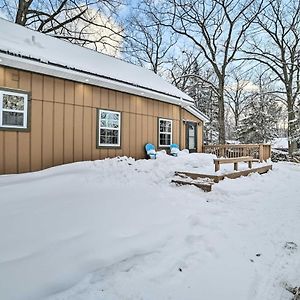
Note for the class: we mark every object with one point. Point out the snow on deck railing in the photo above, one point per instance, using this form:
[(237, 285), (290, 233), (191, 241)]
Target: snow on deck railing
[(258, 151)]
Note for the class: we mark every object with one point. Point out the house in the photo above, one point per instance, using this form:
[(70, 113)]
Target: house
[(61, 103)]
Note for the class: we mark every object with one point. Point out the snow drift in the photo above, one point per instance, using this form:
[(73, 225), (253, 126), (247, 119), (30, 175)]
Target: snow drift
[(117, 229)]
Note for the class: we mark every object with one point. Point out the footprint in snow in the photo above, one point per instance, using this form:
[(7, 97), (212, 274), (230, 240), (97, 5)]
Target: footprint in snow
[(291, 247)]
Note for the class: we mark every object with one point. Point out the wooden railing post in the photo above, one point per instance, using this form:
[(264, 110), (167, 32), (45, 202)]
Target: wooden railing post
[(222, 151), (261, 153), (267, 151)]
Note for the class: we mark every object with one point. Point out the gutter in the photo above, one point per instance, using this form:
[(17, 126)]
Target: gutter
[(51, 69)]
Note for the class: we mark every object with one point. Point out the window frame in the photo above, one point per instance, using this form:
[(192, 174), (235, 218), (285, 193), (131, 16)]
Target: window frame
[(99, 145), (163, 132), (26, 111)]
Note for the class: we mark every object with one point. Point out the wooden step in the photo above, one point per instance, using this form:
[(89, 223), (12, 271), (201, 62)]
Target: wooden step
[(259, 170), (215, 178), (206, 187)]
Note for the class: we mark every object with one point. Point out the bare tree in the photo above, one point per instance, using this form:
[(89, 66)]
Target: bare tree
[(185, 70), (147, 42), (218, 29), (191, 74), (77, 21), (238, 94), (275, 44)]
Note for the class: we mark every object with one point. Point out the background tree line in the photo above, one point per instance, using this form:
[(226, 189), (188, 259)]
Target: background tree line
[(239, 60)]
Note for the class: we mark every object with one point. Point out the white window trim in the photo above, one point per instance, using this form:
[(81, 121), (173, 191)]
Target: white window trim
[(24, 112), (162, 132), (99, 128)]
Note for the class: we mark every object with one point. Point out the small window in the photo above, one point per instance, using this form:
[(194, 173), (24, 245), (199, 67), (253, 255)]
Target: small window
[(165, 132), (109, 128), (13, 110)]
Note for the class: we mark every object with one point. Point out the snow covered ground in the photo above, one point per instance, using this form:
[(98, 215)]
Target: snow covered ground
[(117, 229), (280, 143)]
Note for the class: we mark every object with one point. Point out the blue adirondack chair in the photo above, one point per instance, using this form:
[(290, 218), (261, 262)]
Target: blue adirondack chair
[(150, 149), (174, 149)]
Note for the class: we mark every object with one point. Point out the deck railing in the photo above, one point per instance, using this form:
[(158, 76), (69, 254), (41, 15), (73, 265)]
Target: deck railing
[(258, 151)]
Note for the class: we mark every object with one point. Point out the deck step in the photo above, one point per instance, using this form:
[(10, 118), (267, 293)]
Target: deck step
[(206, 181), (206, 187), (215, 178)]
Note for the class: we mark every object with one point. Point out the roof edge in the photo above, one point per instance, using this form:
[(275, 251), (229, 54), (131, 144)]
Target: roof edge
[(197, 113), (32, 65)]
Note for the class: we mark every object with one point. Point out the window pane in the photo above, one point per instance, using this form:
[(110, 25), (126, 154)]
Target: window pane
[(162, 126), (168, 139), (103, 123), (103, 115), (112, 123), (116, 117), (12, 118), (108, 119), (164, 139), (13, 102), (109, 136), (191, 130), (161, 139), (168, 126), (191, 142), (165, 126)]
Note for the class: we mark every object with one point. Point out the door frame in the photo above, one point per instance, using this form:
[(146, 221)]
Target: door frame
[(195, 124)]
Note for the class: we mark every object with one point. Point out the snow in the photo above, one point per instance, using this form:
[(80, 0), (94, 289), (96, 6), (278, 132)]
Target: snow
[(118, 229), (233, 142), (24, 42), (280, 143)]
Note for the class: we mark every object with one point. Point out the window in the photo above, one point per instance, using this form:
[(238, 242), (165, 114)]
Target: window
[(109, 128), (165, 132), (13, 110)]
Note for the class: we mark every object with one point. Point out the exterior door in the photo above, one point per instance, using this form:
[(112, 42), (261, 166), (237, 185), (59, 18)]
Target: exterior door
[(191, 136)]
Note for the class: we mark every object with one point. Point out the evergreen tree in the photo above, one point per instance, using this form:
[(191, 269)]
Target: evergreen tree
[(205, 100), (261, 117)]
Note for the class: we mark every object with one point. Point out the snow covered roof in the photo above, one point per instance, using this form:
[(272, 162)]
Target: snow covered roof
[(24, 48)]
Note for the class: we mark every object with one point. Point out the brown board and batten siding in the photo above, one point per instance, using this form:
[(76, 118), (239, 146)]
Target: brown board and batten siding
[(63, 116)]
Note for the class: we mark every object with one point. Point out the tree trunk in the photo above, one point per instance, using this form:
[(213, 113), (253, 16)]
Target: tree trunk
[(291, 127), (221, 113), (236, 118), (23, 7)]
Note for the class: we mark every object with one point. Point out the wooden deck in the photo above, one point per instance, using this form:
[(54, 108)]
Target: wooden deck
[(206, 181), (262, 152)]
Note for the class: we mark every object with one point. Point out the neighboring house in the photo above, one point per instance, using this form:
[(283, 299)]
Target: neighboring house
[(61, 103)]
